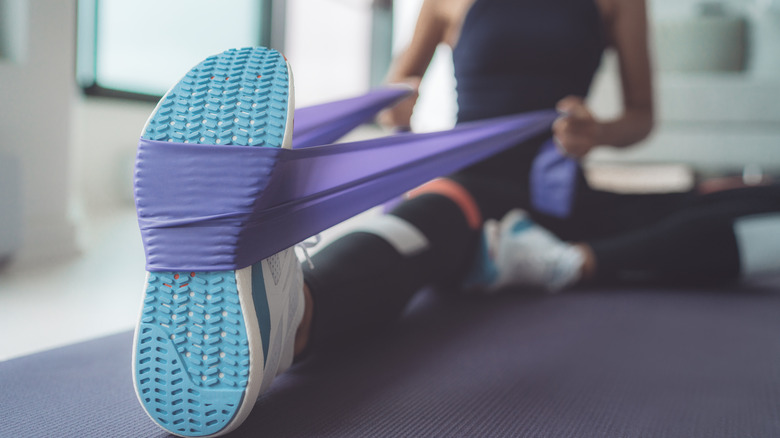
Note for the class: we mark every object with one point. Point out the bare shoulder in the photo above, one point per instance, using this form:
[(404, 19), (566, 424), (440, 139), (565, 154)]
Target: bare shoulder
[(612, 8), (621, 13), (607, 9), (454, 9), (452, 12)]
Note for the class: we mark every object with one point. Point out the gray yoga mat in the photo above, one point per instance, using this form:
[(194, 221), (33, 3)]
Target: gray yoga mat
[(586, 363)]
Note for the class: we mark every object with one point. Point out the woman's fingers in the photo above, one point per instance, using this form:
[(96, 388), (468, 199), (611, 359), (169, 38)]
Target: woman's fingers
[(576, 130), (400, 115)]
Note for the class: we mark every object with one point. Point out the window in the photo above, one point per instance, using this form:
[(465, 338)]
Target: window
[(13, 30), (138, 49)]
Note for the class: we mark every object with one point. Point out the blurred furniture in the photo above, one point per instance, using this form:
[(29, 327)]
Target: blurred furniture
[(710, 40), (640, 178)]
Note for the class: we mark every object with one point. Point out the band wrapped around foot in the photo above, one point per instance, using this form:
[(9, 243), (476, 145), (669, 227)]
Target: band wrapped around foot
[(224, 207)]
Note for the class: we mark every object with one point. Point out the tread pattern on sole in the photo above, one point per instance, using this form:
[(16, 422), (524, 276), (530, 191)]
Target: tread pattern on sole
[(192, 346), (192, 354), (238, 97)]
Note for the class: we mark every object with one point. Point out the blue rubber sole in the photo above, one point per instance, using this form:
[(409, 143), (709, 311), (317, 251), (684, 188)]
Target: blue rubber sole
[(238, 97), (192, 353)]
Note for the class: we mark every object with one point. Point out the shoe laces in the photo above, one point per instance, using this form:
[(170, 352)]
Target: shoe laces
[(308, 244)]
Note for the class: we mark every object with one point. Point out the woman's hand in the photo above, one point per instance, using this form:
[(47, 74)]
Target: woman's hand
[(576, 131), (399, 116)]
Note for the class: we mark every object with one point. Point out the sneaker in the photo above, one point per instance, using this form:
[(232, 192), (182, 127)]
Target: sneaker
[(518, 252), (209, 343)]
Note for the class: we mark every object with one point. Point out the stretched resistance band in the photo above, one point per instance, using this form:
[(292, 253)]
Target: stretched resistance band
[(325, 123), (227, 207), (553, 177)]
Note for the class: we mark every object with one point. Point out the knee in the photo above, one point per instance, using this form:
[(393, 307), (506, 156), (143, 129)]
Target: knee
[(455, 193)]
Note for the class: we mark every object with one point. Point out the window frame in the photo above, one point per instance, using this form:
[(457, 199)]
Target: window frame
[(87, 12), (272, 31)]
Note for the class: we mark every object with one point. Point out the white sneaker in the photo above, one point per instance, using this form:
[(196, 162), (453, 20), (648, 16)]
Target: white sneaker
[(518, 252), (208, 343)]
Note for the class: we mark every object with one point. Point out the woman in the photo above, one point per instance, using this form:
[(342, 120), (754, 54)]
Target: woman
[(519, 56), (510, 56), (505, 64)]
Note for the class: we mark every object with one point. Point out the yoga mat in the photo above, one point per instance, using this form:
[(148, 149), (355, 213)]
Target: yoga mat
[(629, 363)]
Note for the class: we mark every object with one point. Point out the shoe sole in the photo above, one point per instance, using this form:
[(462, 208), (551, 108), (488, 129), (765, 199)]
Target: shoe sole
[(199, 347)]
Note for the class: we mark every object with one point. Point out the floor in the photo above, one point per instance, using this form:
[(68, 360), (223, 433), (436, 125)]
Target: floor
[(95, 294), (98, 292), (637, 362)]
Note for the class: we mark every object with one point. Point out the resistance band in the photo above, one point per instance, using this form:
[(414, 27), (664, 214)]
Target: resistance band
[(325, 123), (207, 208), (553, 181)]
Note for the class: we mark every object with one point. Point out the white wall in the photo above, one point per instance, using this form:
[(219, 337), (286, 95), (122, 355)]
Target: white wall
[(106, 136), (37, 92), (328, 45)]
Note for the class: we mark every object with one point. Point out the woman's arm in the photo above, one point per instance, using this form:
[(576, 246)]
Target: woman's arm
[(578, 131), (411, 64)]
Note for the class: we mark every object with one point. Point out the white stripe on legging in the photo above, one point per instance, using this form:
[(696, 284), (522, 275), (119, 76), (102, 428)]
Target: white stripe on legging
[(403, 236)]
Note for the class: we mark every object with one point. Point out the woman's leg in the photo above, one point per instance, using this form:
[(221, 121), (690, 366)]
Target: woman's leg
[(364, 280), (705, 241), (674, 238)]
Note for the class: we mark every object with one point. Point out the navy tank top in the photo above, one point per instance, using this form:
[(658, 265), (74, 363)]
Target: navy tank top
[(523, 55)]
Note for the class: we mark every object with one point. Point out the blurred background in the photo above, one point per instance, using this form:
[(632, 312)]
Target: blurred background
[(78, 78)]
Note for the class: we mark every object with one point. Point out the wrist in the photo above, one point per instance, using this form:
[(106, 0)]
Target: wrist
[(601, 136), (632, 127)]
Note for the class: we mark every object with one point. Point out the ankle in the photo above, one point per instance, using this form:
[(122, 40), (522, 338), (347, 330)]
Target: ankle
[(588, 268), (304, 329)]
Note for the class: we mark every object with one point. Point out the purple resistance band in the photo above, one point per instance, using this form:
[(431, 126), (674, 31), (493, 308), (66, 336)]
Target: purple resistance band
[(553, 181), (227, 207), (325, 123)]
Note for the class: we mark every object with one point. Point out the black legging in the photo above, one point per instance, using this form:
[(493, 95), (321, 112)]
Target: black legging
[(361, 283), (674, 238)]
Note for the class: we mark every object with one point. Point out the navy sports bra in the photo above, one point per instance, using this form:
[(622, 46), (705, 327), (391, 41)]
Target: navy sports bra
[(523, 55)]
